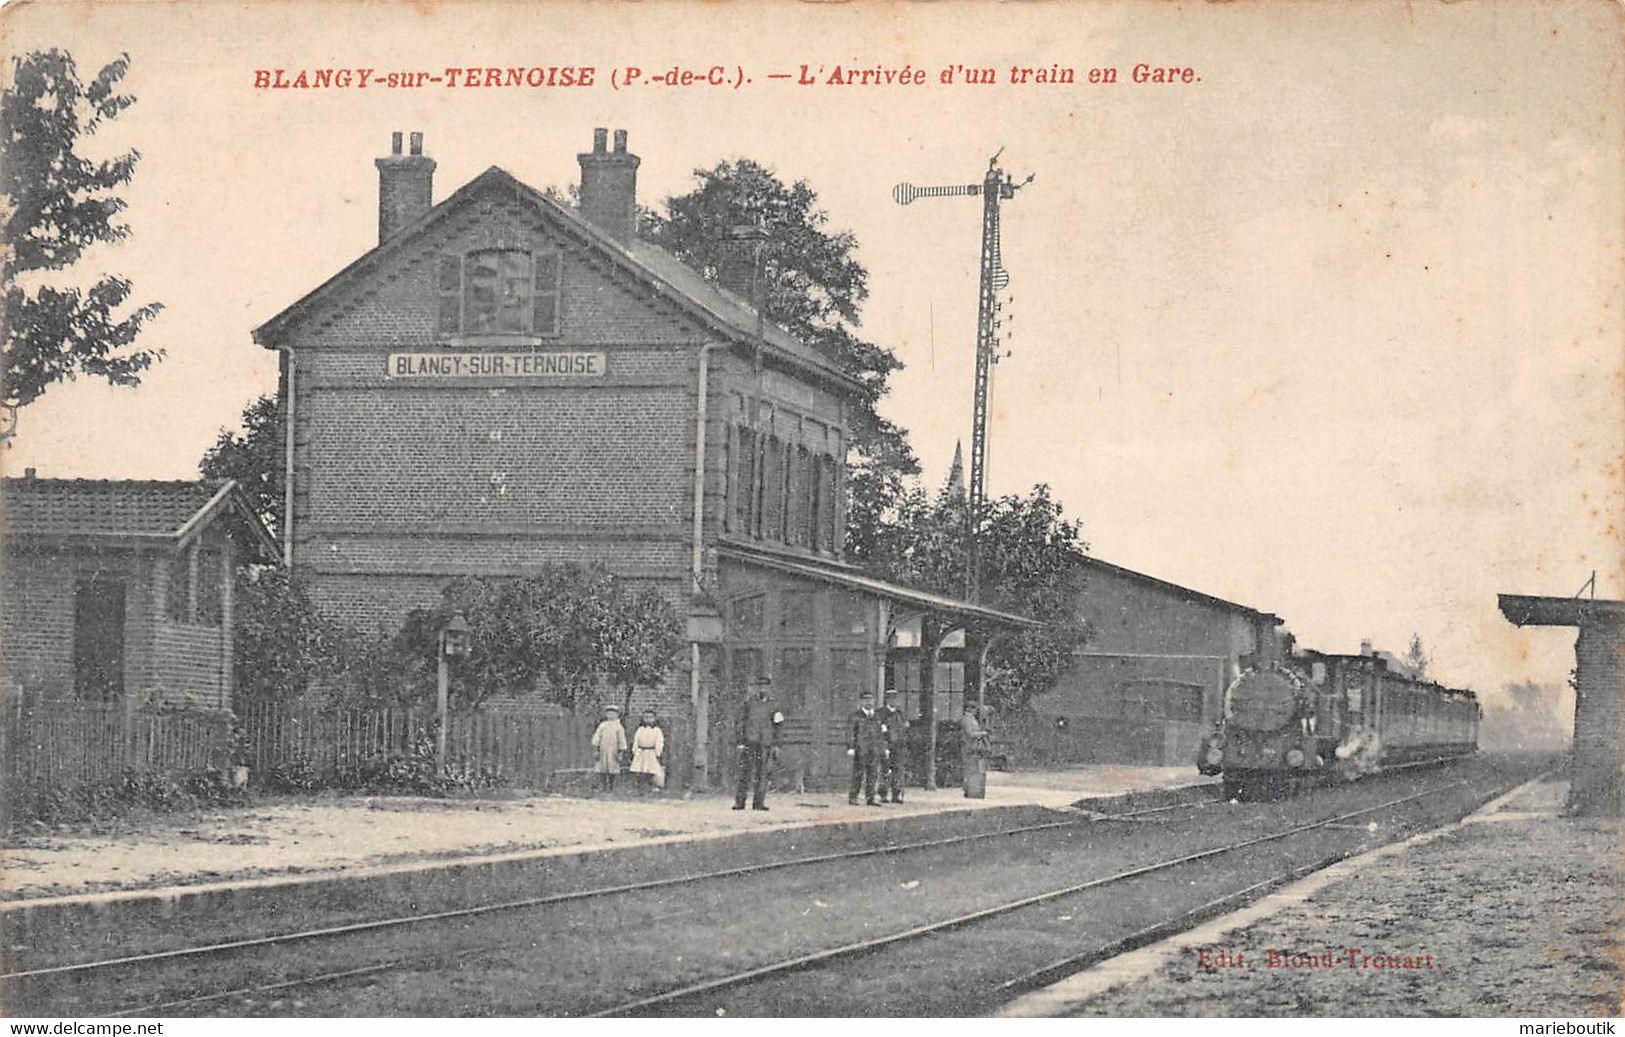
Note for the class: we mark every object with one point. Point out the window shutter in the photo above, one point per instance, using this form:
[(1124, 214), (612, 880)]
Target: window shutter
[(815, 504), (829, 520), (802, 478), (745, 479), (449, 281), (730, 465), (549, 274), (773, 490)]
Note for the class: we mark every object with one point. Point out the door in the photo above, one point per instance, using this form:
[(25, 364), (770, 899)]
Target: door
[(850, 675), (744, 666), (795, 690), (98, 639)]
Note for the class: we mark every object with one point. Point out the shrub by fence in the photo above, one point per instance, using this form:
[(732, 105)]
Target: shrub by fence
[(64, 746)]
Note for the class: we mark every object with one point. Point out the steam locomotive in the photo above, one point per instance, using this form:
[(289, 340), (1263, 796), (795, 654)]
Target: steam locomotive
[(1319, 717)]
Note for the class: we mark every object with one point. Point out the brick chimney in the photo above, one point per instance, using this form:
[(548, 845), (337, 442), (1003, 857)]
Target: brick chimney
[(737, 270), (1365, 648), (405, 186), (609, 186)]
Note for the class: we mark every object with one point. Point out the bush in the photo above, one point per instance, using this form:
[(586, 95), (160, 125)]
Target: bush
[(50, 803), (414, 773), (296, 774)]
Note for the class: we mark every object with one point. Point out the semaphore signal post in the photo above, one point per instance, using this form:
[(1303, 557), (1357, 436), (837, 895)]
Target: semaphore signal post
[(996, 187)]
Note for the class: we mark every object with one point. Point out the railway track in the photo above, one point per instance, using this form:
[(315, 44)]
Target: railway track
[(743, 980), (12, 981), (664, 1002)]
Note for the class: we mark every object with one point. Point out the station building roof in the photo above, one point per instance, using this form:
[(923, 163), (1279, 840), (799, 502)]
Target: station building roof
[(852, 579), (125, 512), (665, 274)]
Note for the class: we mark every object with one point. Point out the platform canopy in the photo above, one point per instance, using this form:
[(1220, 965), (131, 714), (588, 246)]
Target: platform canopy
[(1597, 770), (1528, 610)]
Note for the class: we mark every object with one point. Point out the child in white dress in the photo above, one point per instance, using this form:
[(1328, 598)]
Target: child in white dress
[(649, 749)]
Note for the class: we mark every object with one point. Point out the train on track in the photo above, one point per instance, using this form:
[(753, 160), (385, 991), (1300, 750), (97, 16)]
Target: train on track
[(1317, 718)]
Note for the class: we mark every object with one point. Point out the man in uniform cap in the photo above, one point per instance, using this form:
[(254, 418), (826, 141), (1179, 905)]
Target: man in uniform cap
[(758, 736), (896, 728), (866, 744)]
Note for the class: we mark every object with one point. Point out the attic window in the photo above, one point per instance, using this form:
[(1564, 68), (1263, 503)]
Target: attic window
[(499, 292)]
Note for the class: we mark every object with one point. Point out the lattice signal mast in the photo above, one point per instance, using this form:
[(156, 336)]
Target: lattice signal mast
[(996, 187)]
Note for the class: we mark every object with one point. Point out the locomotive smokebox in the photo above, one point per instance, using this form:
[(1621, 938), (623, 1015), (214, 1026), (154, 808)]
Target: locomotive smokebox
[(1264, 700)]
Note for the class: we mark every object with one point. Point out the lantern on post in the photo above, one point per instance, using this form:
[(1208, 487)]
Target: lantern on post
[(454, 643)]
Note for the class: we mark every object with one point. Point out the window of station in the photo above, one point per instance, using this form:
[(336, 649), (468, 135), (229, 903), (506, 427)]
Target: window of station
[(747, 616), (194, 590), (796, 613), (178, 588), (210, 596), (795, 680), (849, 614), (783, 491), (949, 691), (745, 667), (499, 292), (906, 633)]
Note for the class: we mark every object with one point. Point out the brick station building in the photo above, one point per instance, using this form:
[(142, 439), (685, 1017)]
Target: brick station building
[(505, 382), (1150, 682), (118, 593)]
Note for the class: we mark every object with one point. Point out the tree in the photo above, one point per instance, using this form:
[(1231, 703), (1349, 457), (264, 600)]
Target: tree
[(1526, 717), (1416, 657), (638, 641), (253, 456), (283, 648), (1032, 563), (814, 287), (60, 204), (568, 630)]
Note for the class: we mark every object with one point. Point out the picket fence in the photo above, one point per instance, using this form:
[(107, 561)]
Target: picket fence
[(521, 750), (88, 743), (73, 744)]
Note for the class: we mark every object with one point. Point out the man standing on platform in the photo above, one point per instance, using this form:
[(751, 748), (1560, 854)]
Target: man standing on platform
[(866, 744), (896, 728), (758, 737)]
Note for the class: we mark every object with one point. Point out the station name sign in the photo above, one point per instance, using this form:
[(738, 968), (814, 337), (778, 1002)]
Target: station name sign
[(495, 365)]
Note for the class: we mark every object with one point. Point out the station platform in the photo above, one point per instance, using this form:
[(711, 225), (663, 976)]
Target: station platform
[(276, 842), (1517, 910)]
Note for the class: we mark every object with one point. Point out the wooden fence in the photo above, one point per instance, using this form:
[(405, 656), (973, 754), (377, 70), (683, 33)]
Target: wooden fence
[(520, 750), (73, 744), (88, 743)]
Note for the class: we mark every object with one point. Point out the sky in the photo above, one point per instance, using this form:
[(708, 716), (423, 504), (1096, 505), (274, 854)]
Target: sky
[(1333, 330)]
